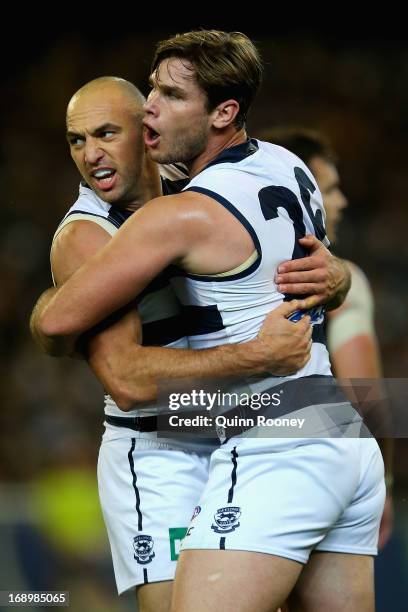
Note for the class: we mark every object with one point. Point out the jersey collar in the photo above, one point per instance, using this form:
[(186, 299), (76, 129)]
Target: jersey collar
[(235, 154)]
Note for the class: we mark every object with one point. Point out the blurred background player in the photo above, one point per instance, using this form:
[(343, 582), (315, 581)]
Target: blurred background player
[(351, 335)]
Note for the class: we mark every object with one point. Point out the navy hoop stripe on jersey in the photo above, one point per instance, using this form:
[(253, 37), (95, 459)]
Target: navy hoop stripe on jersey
[(161, 281), (136, 490), (232, 209), (164, 331), (202, 320), (319, 334)]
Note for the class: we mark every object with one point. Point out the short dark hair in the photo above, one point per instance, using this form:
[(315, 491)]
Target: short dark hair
[(226, 64), (303, 142)]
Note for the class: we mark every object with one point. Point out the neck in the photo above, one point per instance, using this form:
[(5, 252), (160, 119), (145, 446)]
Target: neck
[(149, 186), (217, 142)]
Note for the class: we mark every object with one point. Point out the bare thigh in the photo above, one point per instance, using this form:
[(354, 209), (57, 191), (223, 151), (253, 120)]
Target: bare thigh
[(154, 597), (232, 581), (335, 582)]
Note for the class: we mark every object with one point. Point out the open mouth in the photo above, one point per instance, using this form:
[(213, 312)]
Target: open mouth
[(151, 137), (104, 178)]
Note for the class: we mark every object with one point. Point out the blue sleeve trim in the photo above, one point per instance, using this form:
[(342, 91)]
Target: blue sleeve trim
[(233, 210), (86, 212)]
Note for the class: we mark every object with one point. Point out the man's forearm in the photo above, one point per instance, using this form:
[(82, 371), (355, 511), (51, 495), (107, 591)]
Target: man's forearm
[(225, 360), (343, 286), (55, 346), (130, 384), (130, 372)]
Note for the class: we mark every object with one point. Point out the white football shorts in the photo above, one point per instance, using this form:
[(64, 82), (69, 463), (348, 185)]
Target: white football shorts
[(291, 496), (148, 489)]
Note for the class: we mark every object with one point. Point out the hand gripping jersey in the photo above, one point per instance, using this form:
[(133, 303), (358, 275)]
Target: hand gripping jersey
[(275, 197), (158, 307)]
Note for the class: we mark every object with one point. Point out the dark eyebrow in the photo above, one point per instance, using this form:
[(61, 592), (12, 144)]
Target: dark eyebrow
[(106, 127), (69, 135), (166, 89), (173, 89)]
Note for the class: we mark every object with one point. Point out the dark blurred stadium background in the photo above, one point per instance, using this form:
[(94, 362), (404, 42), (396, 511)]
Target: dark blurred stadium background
[(352, 86)]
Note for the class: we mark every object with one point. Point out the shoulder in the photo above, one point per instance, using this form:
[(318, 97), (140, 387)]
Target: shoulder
[(186, 206), (88, 202), (88, 206), (359, 300), (74, 245), (360, 291), (79, 233), (357, 273), (175, 222), (352, 325)]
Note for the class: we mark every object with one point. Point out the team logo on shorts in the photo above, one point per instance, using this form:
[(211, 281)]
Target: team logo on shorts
[(226, 519), (143, 547), (196, 512)]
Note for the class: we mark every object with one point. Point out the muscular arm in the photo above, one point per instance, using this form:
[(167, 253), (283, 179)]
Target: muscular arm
[(129, 371), (143, 246), (177, 230), (75, 244)]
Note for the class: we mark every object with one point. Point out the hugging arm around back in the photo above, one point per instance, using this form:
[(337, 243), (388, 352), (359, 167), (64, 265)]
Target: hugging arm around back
[(129, 371)]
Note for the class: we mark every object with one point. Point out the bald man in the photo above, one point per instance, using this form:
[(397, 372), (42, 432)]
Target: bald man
[(148, 486)]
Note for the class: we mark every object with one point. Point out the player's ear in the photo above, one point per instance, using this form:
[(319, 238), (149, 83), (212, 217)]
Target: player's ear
[(224, 114)]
